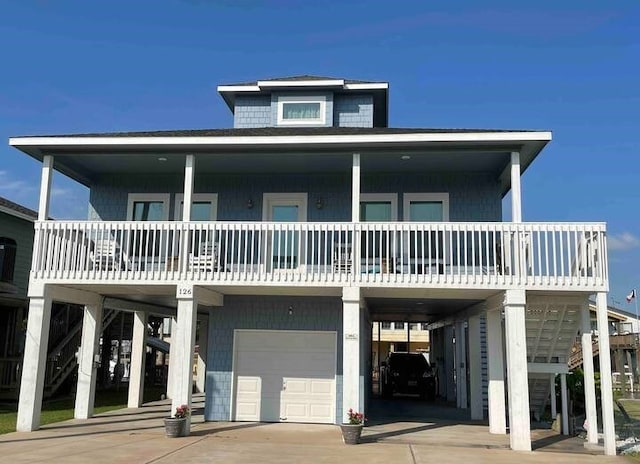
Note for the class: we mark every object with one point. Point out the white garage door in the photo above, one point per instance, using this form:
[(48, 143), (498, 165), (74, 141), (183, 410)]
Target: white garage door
[(284, 376)]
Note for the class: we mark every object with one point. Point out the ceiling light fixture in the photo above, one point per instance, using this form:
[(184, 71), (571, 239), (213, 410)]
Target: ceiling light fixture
[(405, 157), (162, 158)]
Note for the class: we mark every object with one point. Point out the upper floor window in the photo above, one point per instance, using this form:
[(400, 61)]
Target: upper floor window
[(301, 110), (148, 207), (426, 207), (204, 206)]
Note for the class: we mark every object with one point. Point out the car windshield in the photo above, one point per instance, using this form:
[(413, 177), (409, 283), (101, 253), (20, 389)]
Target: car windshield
[(408, 362)]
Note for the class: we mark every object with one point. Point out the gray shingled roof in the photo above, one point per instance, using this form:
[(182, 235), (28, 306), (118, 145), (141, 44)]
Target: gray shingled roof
[(282, 131), (305, 77), (18, 208)]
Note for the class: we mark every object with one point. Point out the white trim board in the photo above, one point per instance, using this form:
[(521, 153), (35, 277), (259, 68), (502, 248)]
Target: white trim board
[(284, 198), (284, 140)]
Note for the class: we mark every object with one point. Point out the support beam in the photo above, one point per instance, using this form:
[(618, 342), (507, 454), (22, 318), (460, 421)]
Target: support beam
[(208, 297), (203, 342), (517, 378), (351, 397), (495, 358), (554, 406), (35, 363), (87, 362), (185, 338), (461, 366), (189, 167), (589, 379), (516, 195), (449, 363), (475, 369), (45, 188), (355, 189), (565, 404), (138, 360), (606, 387), (548, 368), (173, 358)]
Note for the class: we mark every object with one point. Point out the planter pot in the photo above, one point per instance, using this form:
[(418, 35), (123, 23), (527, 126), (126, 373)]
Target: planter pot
[(351, 433), (175, 427)]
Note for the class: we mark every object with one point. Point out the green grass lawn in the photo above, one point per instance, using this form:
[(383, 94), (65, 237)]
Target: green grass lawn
[(62, 409)]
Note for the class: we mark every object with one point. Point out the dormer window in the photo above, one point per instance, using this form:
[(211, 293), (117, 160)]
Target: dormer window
[(302, 110)]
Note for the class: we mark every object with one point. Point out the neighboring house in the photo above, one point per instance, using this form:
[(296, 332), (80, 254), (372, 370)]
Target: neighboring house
[(388, 337), (287, 235), (16, 243)]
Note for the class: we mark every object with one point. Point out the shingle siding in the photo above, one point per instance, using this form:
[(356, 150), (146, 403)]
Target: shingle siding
[(472, 196), (252, 111), (263, 312), (353, 111)]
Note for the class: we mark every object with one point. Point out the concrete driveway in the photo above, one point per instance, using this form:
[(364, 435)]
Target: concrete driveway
[(137, 436)]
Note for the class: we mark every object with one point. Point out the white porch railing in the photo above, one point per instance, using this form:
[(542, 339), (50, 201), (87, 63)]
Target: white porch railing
[(454, 255)]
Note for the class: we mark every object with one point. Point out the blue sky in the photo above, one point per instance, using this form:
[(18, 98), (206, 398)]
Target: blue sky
[(77, 66)]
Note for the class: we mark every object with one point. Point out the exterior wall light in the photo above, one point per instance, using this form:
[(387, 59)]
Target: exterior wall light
[(319, 204), (250, 204)]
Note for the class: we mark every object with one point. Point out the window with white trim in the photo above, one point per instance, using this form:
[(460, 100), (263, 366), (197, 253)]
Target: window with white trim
[(204, 207), (426, 207), (148, 207), (302, 110)]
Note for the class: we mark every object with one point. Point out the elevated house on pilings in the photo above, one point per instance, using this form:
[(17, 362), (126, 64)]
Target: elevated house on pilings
[(288, 234)]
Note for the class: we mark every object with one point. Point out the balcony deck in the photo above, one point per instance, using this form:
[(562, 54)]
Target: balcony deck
[(534, 256)]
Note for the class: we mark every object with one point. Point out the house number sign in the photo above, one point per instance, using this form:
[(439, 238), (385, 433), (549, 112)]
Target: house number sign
[(351, 336), (184, 291)]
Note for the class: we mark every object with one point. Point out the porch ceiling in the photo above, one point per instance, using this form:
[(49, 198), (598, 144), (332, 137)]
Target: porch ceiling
[(86, 158)]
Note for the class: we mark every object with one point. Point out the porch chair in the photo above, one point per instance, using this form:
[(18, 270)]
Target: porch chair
[(206, 260), (107, 255)]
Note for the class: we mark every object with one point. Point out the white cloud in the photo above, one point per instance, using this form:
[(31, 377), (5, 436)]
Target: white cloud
[(623, 242)]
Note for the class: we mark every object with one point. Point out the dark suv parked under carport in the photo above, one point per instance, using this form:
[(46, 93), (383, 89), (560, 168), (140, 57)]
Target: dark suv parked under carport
[(408, 373)]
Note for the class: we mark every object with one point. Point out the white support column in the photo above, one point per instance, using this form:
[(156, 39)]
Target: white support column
[(203, 342), (185, 340), (517, 376), (449, 362), (351, 351), (189, 167), (589, 379), (475, 369), (35, 362), (516, 195), (173, 358), (565, 404), (461, 366), (138, 360), (495, 358), (87, 362), (606, 387), (45, 188), (355, 188), (554, 406)]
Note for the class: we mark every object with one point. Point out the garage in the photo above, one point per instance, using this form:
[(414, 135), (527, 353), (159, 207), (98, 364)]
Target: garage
[(284, 376)]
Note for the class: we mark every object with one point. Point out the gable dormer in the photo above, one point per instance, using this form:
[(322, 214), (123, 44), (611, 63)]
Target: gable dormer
[(307, 101)]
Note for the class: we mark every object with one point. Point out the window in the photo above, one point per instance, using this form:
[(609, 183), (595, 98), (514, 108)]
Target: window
[(386, 325), (378, 207), (204, 207), (148, 207), (302, 110), (413, 326), (426, 207), (398, 325)]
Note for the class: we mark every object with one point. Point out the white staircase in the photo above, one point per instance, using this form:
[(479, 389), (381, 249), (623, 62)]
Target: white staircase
[(552, 325)]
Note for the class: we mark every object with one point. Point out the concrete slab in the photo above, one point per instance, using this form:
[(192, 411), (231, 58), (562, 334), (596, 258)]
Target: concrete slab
[(137, 436)]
